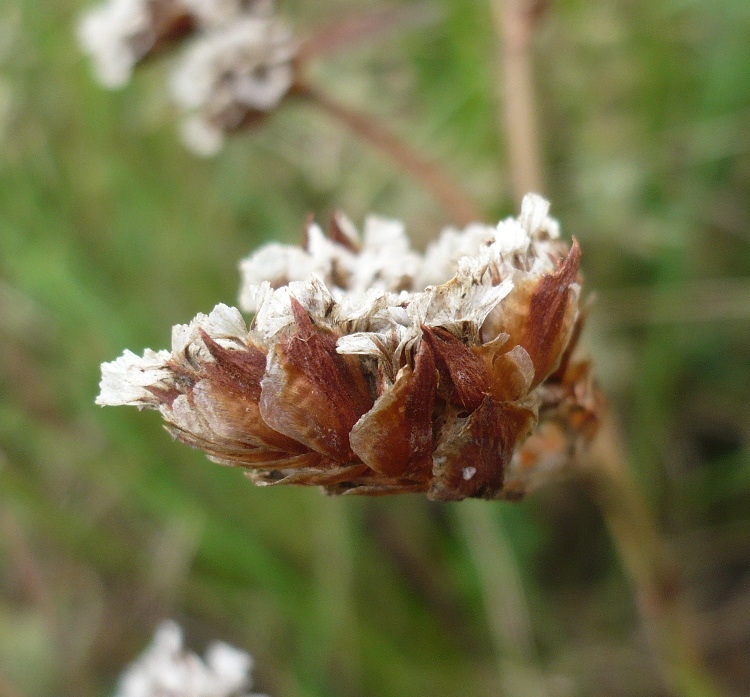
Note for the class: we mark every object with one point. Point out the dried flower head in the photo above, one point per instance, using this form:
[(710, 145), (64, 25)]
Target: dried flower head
[(236, 69), (233, 76), (166, 669), (371, 369)]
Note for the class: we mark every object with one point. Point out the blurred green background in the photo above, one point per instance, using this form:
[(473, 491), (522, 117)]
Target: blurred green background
[(111, 232)]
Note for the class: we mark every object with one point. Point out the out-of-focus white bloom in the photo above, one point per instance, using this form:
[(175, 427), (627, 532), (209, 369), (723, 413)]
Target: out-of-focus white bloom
[(235, 71), (237, 67), (166, 669), (201, 137), (117, 34)]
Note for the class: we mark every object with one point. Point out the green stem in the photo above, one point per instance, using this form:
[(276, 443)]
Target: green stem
[(651, 568), (504, 598)]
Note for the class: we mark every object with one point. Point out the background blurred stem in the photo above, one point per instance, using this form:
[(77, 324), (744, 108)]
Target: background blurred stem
[(644, 555), (456, 202), (504, 599), (7, 689), (514, 21), (649, 564)]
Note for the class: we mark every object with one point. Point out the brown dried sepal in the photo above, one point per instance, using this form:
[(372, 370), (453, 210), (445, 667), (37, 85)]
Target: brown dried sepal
[(569, 418), (232, 388), (472, 452), (394, 438), (539, 314), (311, 393), (463, 377), (219, 411)]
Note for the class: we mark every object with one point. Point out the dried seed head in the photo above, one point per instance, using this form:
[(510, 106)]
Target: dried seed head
[(237, 68), (117, 34), (355, 376)]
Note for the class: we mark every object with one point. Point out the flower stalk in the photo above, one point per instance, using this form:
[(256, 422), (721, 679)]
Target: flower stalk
[(649, 564), (515, 21), (457, 202), (603, 466)]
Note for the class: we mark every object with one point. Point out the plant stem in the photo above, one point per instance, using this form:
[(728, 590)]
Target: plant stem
[(649, 564), (504, 598), (514, 22), (455, 201), (646, 560)]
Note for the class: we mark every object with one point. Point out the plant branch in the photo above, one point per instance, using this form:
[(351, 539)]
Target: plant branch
[(457, 203)]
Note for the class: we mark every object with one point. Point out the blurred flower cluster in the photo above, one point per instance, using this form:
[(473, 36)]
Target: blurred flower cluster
[(166, 669), (237, 67), (371, 369)]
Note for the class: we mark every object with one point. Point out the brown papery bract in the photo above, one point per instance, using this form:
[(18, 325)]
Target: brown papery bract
[(465, 389)]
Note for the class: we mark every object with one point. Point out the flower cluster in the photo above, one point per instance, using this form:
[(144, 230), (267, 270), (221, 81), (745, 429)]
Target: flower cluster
[(238, 67), (166, 669), (371, 369)]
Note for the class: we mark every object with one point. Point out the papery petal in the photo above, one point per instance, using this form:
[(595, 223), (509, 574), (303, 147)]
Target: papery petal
[(127, 380)]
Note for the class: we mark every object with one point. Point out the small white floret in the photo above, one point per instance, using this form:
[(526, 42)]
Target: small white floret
[(127, 379)]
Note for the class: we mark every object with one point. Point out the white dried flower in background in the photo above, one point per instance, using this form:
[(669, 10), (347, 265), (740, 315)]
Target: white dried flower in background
[(119, 33), (356, 377), (231, 76), (166, 669), (239, 60)]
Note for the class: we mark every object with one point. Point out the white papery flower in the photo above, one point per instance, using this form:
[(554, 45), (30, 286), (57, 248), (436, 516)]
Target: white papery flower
[(166, 669), (233, 73)]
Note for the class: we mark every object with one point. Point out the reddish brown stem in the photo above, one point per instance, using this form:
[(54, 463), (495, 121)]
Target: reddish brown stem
[(352, 30), (457, 203)]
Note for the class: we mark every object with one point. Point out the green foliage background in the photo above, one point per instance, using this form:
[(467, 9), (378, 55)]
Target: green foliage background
[(110, 233)]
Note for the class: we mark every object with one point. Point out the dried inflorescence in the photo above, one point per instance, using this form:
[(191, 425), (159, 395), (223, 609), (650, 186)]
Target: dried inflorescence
[(371, 369), (238, 67), (165, 668), (233, 77)]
